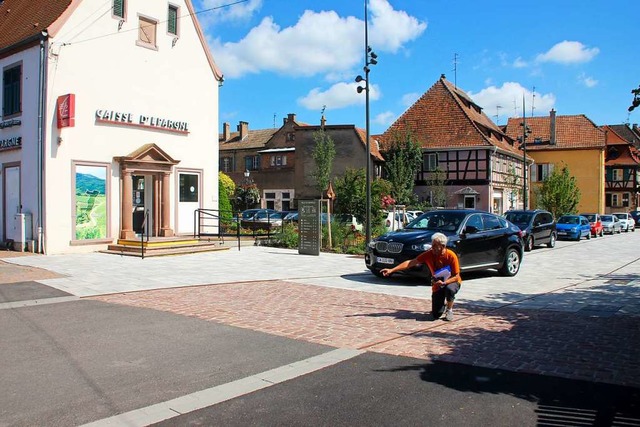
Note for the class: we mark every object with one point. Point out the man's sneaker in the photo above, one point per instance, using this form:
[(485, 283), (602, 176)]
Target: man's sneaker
[(448, 315)]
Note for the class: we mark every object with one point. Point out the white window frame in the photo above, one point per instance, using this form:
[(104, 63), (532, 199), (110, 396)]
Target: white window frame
[(617, 175), (431, 162)]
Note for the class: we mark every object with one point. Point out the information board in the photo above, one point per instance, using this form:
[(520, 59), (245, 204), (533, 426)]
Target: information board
[(309, 227)]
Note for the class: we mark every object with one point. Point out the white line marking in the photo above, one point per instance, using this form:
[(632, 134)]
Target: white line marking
[(43, 301)]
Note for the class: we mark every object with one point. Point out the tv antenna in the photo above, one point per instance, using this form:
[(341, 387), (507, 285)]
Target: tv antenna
[(497, 116), (533, 100), (455, 70)]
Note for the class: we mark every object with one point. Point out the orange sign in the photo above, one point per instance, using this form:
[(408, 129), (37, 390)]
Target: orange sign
[(66, 110)]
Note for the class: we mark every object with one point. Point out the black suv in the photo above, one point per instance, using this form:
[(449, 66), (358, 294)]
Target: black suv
[(481, 240), (538, 227)]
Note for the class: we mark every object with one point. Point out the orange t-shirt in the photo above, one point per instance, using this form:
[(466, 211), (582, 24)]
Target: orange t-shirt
[(436, 262)]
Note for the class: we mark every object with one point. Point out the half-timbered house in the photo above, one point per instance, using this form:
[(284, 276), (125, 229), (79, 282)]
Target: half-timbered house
[(465, 155), (622, 167)]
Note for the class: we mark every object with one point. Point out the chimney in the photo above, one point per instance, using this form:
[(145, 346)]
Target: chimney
[(243, 128), (552, 127), (226, 131), (290, 118)]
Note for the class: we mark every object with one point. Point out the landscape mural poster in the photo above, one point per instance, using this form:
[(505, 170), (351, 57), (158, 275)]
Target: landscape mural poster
[(91, 206)]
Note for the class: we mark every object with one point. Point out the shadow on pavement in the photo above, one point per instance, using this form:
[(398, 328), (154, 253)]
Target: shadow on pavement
[(559, 401)]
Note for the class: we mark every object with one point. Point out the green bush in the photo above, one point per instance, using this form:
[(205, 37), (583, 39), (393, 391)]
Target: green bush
[(286, 237)]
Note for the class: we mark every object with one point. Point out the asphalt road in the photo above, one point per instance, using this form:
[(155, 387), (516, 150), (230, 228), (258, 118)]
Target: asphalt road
[(71, 361)]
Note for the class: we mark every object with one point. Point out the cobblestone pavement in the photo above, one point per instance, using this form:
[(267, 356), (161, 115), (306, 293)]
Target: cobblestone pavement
[(602, 346)]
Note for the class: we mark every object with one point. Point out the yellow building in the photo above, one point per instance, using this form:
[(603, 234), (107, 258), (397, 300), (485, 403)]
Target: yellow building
[(574, 141)]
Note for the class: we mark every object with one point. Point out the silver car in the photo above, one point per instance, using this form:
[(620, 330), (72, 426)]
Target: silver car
[(626, 221), (611, 224)]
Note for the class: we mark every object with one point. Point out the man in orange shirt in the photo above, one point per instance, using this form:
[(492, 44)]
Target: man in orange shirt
[(445, 274)]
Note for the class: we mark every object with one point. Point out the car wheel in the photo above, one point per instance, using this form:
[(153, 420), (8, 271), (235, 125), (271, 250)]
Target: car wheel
[(589, 235), (528, 244), (511, 264), (601, 233), (552, 240)]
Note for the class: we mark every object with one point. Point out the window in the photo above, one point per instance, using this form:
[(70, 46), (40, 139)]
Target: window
[(252, 163), (119, 8), (430, 161), (11, 91), (625, 200), (615, 200), (91, 193), (225, 164), (291, 136), (617, 175), (172, 20), (540, 172), (278, 160), (188, 187), (146, 32)]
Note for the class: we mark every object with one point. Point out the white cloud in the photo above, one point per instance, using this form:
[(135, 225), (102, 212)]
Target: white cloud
[(568, 52), (519, 63), (339, 95), (222, 12), (390, 28), (506, 101), (384, 119), (309, 47), (588, 81), (408, 99)]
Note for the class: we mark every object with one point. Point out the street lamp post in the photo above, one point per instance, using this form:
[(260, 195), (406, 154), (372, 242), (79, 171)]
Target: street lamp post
[(370, 58), (247, 182), (525, 132)]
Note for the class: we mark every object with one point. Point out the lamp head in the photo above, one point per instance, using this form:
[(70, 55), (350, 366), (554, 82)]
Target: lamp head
[(359, 79), (360, 89)]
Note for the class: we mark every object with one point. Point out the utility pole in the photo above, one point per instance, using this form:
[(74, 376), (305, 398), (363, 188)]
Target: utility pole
[(525, 132)]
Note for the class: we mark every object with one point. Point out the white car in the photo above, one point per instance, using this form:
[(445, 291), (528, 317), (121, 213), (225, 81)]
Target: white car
[(392, 223), (627, 223)]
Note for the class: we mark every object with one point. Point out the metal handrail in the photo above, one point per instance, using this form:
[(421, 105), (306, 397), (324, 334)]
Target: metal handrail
[(145, 224)]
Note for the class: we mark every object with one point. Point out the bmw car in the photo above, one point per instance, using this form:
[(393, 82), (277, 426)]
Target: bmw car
[(481, 240)]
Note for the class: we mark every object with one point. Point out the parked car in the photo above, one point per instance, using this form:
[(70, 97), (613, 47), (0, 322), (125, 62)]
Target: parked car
[(348, 220), (611, 224), (573, 227), (255, 218), (596, 224), (481, 240), (538, 227), (414, 214), (627, 223), (291, 217), (396, 221), (636, 217)]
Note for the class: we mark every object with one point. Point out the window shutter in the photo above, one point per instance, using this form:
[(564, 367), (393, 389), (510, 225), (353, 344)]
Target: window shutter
[(118, 8), (534, 174), (172, 21), (284, 160)]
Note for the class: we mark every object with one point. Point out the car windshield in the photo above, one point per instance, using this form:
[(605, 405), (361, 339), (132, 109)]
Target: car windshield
[(607, 218), (590, 217), (437, 221), (635, 214), (569, 220), (621, 215), (519, 217)]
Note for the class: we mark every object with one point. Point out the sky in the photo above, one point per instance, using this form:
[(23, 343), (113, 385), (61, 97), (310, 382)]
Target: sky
[(302, 57)]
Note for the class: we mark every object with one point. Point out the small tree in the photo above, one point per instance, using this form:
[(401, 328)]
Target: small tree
[(323, 154), (351, 195), (403, 159), (437, 186), (226, 189), (513, 184), (559, 193), (246, 196)]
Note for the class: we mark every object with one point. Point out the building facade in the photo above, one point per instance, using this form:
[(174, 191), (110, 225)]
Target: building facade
[(109, 122), (466, 157), (572, 140)]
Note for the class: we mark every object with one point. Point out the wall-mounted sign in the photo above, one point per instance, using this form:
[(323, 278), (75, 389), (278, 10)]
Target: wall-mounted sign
[(10, 123), (66, 110), (9, 143), (129, 119)]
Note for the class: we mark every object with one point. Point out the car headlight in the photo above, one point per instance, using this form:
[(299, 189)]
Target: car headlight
[(372, 244), (421, 247), (574, 229)]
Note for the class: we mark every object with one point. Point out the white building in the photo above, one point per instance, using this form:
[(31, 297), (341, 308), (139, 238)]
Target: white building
[(109, 111)]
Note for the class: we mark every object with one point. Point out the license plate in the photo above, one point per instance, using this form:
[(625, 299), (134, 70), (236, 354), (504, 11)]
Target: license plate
[(561, 233), (385, 260)]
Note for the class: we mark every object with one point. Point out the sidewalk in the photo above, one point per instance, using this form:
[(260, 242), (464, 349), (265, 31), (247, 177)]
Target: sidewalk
[(582, 323)]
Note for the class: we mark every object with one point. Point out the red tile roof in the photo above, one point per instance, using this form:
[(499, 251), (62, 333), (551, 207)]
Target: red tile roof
[(24, 19), (255, 139), (572, 132), (445, 117), (619, 150)]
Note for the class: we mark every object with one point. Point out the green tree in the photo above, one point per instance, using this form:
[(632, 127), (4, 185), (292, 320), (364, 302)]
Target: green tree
[(246, 196), (351, 195), (226, 189), (437, 185), (559, 193), (323, 154), (403, 159), (513, 184), (636, 99)]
